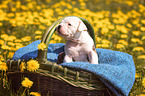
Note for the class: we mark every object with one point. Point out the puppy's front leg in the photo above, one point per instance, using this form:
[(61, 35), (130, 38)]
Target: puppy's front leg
[(93, 57), (67, 59)]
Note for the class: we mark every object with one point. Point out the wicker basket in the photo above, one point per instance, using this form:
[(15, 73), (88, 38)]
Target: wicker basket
[(52, 79)]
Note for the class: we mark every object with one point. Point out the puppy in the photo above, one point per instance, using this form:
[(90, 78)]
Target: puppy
[(79, 45)]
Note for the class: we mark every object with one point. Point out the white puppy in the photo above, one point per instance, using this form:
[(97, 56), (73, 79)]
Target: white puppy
[(79, 45)]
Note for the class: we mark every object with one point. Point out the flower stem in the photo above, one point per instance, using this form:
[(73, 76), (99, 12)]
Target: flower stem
[(24, 92)]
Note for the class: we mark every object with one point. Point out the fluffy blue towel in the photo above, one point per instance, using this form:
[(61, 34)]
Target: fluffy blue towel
[(116, 69)]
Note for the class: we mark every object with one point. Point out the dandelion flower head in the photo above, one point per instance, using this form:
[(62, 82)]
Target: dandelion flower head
[(32, 65), (27, 83), (35, 94), (42, 46), (3, 66)]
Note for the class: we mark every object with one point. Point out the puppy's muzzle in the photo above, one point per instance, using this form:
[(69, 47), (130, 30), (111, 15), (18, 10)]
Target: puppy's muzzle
[(60, 31)]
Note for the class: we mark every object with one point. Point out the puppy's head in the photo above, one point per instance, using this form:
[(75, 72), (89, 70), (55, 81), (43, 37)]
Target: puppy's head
[(70, 27)]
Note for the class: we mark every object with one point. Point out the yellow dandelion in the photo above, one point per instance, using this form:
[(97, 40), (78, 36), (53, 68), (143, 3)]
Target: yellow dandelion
[(143, 21), (38, 7), (30, 5), (141, 95), (123, 42), (138, 49), (130, 3), (98, 39), (141, 57), (38, 37), (5, 47), (11, 38), (73, 2), (3, 66), (11, 54), (136, 40), (106, 41), (11, 44), (111, 27), (1, 58), (105, 45), (18, 44), (53, 41), (142, 28), (41, 46), (143, 38), (135, 22), (23, 7), (27, 83), (22, 66), (35, 94), (121, 28), (56, 38), (136, 33), (41, 26), (1, 24), (129, 25), (38, 32), (25, 39), (19, 23), (5, 37), (32, 65), (98, 45), (123, 36), (18, 47), (18, 41), (104, 30), (2, 42), (136, 75), (82, 3), (124, 30), (13, 49), (120, 46), (143, 82)]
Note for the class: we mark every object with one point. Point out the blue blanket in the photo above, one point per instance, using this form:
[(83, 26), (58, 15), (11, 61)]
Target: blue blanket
[(116, 69)]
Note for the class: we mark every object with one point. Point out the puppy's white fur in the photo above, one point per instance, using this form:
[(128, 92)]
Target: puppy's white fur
[(79, 45)]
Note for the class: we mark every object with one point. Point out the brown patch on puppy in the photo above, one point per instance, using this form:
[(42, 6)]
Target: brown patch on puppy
[(94, 49), (60, 57)]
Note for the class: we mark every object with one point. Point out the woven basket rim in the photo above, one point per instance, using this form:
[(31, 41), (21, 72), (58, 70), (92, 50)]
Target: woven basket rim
[(77, 78)]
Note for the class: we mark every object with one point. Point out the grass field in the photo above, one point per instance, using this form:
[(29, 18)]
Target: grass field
[(118, 24)]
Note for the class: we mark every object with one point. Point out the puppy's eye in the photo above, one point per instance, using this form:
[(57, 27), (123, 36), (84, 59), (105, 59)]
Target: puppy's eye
[(69, 24)]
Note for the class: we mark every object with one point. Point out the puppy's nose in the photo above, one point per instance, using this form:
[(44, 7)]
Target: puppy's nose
[(59, 26)]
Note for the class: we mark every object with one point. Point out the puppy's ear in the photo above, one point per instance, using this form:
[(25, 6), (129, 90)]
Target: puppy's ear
[(82, 27)]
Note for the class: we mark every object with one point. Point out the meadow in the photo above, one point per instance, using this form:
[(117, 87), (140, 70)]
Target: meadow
[(118, 24)]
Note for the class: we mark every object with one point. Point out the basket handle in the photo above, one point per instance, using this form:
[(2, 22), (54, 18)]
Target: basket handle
[(42, 55)]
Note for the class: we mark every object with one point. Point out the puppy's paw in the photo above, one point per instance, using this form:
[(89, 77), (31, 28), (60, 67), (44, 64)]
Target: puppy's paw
[(95, 62), (67, 59), (93, 56)]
